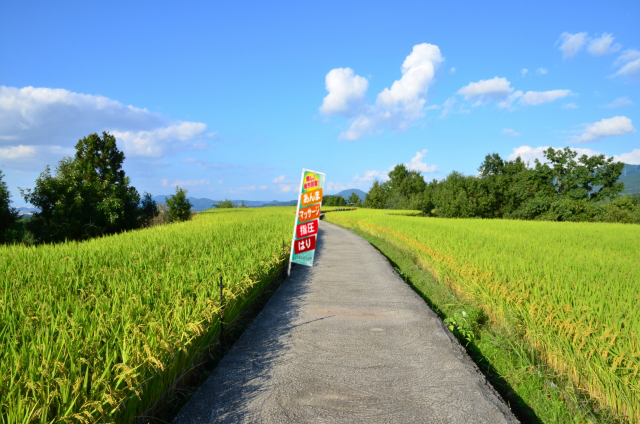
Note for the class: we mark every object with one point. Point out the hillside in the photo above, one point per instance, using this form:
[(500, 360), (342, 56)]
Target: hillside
[(200, 204), (347, 193), (631, 179)]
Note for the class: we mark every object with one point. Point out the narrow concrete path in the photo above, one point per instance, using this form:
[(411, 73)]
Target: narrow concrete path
[(346, 341)]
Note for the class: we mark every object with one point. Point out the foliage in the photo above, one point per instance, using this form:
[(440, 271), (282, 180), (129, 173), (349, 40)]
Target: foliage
[(88, 196), (330, 200), (8, 214), (84, 325), (354, 199), (404, 190), (148, 210), (564, 189), (179, 207), (224, 204), (550, 290)]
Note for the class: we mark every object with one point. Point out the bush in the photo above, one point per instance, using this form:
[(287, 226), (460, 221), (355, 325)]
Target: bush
[(179, 207)]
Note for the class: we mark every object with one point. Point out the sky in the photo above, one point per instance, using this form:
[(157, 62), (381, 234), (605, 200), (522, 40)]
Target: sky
[(233, 99)]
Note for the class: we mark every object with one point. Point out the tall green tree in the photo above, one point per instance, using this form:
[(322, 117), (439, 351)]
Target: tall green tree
[(376, 198), (592, 178), (88, 196), (8, 214), (354, 199), (179, 206)]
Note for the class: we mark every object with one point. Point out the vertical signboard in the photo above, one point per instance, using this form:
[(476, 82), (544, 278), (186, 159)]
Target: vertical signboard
[(305, 230)]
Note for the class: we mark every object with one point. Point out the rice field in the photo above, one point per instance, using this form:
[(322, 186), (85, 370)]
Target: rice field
[(96, 331), (571, 289)]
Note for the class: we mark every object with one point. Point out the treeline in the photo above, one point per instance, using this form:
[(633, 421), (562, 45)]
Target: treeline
[(334, 200), (564, 188), (87, 196)]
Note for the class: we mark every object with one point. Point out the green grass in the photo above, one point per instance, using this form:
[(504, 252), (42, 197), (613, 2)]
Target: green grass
[(563, 294), (98, 330)]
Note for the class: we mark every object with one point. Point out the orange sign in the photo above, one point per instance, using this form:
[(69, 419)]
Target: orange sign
[(310, 197), (307, 214)]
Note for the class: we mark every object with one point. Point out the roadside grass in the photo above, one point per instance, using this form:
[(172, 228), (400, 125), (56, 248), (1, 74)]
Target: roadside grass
[(534, 392)]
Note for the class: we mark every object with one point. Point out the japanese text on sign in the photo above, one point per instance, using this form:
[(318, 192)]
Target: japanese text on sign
[(305, 231), (306, 214)]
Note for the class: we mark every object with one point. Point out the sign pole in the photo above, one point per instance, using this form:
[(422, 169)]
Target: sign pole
[(293, 238)]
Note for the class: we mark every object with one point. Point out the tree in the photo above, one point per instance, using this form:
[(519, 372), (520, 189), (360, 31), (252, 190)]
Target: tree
[(592, 178), (179, 206), (377, 196), (224, 204), (148, 210), (354, 199), (8, 214), (88, 196)]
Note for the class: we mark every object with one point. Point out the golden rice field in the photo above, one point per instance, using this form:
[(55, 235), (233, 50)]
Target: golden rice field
[(97, 330), (572, 289)]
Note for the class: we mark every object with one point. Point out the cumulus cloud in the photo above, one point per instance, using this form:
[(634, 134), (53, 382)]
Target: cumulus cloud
[(417, 164), (618, 125), (485, 91), (510, 132), (499, 90), (632, 158), (279, 179), (570, 44), (16, 152), (570, 106), (534, 98), (335, 186), (603, 45), (524, 72), (346, 92), (45, 121), (619, 102), (452, 70), (627, 56), (397, 107), (542, 71)]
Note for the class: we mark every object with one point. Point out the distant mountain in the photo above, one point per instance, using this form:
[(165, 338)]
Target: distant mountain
[(631, 179), (347, 193), (204, 203)]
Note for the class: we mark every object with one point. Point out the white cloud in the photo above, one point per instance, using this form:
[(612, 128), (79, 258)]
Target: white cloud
[(571, 43), (220, 181), (632, 158), (627, 56), (32, 116), (417, 164), (449, 107), (603, 45), (570, 106), (371, 175), (524, 72), (400, 106), (530, 154), (534, 98), (452, 70), (154, 143), (346, 92), (15, 152), (263, 187), (619, 102), (484, 91), (542, 71), (279, 179), (629, 62), (630, 69), (618, 125), (286, 188), (510, 132)]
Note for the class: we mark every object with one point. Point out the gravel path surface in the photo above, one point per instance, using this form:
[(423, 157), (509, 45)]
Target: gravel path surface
[(346, 341)]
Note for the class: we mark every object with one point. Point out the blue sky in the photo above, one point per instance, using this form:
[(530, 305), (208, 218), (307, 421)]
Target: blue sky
[(233, 99)]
